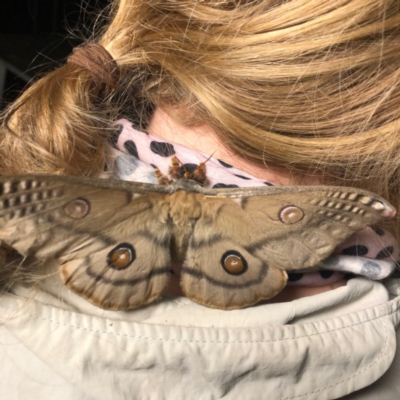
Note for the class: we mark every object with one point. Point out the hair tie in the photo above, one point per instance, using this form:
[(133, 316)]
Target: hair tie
[(95, 59)]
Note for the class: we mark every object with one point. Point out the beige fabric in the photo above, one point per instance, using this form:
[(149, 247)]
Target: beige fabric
[(322, 347), (385, 388)]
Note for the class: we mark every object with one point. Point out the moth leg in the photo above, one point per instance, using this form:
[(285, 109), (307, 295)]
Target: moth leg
[(161, 178), (174, 169)]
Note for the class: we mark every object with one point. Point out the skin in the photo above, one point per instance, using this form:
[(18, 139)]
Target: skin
[(204, 139)]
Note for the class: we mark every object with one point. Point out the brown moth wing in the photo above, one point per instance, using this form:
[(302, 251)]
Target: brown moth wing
[(53, 217), (241, 246), (205, 280), (219, 271), (81, 224), (242, 239), (305, 227), (122, 276)]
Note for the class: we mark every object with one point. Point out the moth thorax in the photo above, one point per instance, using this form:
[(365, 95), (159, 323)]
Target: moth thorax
[(179, 242), (185, 205)]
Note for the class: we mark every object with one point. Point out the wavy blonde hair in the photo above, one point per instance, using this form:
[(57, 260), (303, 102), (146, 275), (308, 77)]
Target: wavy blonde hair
[(311, 85)]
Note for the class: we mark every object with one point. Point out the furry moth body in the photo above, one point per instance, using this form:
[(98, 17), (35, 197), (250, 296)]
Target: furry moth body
[(115, 240)]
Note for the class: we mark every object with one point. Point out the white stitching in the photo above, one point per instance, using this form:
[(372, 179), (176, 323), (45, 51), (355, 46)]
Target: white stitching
[(196, 341)]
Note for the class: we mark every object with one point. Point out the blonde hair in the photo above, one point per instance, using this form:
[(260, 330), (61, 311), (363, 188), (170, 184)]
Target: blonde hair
[(312, 85)]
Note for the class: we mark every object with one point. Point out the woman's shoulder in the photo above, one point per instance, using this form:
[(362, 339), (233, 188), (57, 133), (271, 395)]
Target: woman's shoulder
[(324, 346)]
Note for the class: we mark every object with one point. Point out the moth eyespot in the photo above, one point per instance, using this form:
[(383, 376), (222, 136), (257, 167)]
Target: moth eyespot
[(121, 256), (291, 215), (234, 263), (77, 208), (378, 205)]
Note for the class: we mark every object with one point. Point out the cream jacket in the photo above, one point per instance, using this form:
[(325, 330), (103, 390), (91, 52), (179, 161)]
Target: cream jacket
[(339, 344)]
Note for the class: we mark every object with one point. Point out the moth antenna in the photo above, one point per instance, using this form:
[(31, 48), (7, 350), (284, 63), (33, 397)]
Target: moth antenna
[(176, 160), (209, 158), (198, 175)]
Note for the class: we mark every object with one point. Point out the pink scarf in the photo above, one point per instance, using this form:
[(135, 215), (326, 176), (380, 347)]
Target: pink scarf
[(372, 252)]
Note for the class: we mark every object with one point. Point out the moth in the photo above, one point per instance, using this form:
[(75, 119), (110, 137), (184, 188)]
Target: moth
[(115, 240)]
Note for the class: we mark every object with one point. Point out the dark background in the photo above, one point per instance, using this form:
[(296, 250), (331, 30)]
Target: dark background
[(37, 35)]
